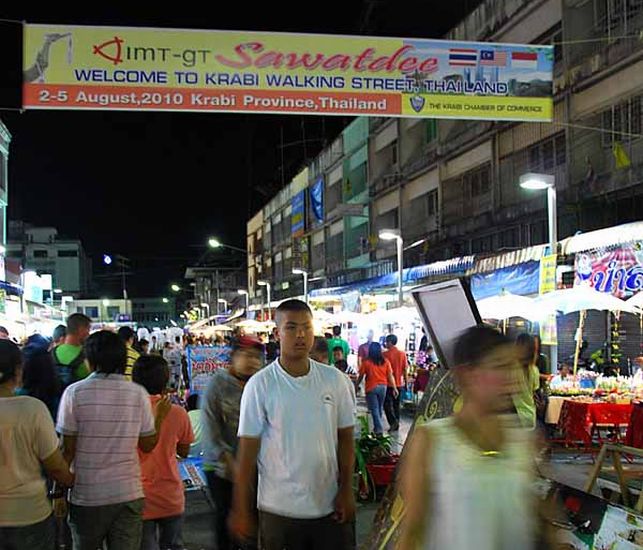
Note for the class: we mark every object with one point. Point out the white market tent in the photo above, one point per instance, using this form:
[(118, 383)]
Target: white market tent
[(509, 305), (581, 298)]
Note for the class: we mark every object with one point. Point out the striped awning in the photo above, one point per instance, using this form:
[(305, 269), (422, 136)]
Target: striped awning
[(603, 238), (409, 275)]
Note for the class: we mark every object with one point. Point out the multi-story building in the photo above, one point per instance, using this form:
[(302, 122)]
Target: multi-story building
[(451, 186), (217, 287), (103, 310), (5, 140), (153, 311), (43, 250)]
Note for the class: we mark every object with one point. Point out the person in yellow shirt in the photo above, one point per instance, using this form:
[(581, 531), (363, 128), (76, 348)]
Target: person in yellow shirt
[(128, 336)]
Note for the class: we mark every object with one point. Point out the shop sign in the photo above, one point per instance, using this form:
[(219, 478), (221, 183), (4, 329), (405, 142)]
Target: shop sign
[(203, 362), (618, 272)]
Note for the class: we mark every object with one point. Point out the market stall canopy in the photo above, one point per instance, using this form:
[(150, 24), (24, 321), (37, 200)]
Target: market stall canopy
[(221, 328), (509, 305), (253, 326), (581, 298), (396, 315), (611, 236), (636, 301)]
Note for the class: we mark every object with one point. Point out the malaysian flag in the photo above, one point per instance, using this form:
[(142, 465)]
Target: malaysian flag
[(491, 58), (463, 57)]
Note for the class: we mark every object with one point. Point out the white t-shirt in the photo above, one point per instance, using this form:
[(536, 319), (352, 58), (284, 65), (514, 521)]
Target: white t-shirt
[(297, 421), (27, 437)]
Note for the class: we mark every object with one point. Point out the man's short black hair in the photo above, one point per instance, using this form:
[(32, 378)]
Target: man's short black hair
[(106, 352), (337, 330), (151, 372), (391, 339), (126, 333), (4, 331), (475, 343), (338, 348), (76, 321), (59, 332), (294, 305), (320, 345), (10, 360)]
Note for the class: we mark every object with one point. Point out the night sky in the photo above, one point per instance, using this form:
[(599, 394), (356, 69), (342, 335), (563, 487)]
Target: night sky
[(149, 185)]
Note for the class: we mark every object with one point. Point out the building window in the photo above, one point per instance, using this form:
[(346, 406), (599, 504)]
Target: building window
[(482, 244), (510, 238), (477, 182), (113, 312), (623, 120), (432, 203), (91, 312), (39, 253), (68, 253), (547, 155)]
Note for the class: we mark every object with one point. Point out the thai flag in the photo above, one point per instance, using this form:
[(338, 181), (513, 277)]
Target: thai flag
[(462, 57), (524, 60)]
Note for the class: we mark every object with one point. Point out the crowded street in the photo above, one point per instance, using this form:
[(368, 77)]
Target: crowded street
[(353, 276)]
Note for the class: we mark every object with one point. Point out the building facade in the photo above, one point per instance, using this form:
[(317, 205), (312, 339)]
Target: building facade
[(451, 186), (5, 140), (103, 310), (153, 311), (43, 250), (216, 289)]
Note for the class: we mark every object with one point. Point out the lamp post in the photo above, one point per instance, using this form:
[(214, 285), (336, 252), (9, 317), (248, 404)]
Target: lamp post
[(213, 242), (175, 288), (303, 272), (207, 308), (540, 182), (245, 293), (103, 310), (394, 235), (225, 304), (267, 285)]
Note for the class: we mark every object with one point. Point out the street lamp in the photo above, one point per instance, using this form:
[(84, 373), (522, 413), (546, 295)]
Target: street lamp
[(245, 293), (225, 304), (213, 242), (394, 235), (267, 285), (175, 288), (540, 182), (105, 303), (58, 291), (166, 301), (207, 307), (303, 272)]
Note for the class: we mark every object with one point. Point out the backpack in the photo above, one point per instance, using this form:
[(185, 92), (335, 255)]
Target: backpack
[(67, 373)]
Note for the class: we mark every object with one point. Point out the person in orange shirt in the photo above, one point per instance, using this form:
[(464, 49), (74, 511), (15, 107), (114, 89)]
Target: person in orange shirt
[(399, 365), (378, 373), (162, 485)]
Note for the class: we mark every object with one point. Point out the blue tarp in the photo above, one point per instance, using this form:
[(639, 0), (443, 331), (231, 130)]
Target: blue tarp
[(521, 279), (410, 275)]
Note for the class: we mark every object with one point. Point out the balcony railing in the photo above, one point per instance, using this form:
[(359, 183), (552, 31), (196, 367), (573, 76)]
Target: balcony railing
[(384, 182)]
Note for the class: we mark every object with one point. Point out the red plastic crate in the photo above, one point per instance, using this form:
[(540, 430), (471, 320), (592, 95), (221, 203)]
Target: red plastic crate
[(383, 474)]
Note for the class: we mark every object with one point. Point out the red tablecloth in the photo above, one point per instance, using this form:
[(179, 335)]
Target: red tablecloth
[(634, 436), (577, 418)]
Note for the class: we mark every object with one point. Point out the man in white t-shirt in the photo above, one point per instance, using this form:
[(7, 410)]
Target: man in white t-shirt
[(296, 428)]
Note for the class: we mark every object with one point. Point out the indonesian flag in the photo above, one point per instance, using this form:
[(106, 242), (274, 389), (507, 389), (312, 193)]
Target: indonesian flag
[(524, 60)]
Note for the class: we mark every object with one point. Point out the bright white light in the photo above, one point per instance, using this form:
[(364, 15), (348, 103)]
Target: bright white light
[(536, 182), (165, 300), (242, 292), (175, 288), (205, 305), (389, 234), (298, 271), (105, 302), (58, 291), (263, 283), (222, 301), (107, 259), (416, 243), (214, 243)]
